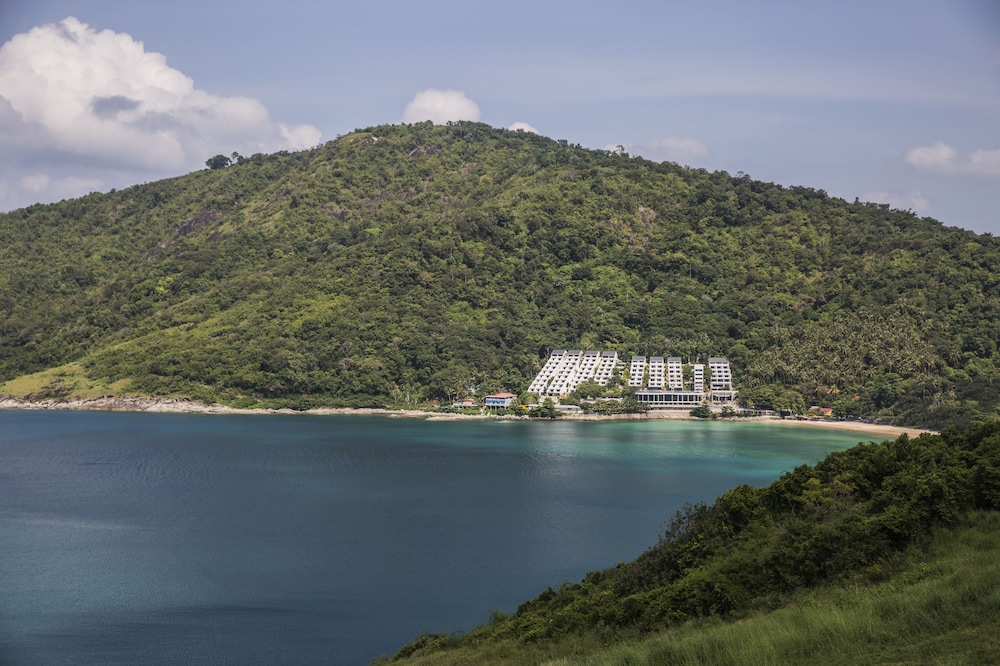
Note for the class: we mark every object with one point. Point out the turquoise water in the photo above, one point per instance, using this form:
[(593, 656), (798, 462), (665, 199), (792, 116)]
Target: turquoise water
[(180, 538)]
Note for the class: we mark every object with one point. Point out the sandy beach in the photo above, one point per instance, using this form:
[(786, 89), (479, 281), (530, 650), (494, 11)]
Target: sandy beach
[(885, 431)]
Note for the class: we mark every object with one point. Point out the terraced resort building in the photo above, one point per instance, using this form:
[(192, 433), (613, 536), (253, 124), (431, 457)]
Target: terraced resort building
[(659, 383)]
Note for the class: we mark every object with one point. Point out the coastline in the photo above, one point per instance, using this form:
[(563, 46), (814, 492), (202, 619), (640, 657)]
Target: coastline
[(887, 431), (184, 406)]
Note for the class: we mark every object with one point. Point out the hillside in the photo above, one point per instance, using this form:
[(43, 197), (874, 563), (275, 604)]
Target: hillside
[(389, 266), (939, 606), (837, 551)]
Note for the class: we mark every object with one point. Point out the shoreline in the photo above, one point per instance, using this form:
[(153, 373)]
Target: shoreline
[(184, 406)]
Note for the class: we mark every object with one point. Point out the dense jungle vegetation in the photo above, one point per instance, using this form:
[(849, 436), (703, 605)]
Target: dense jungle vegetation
[(883, 553), (390, 266)]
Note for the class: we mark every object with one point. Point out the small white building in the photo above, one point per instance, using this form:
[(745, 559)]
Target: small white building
[(500, 400)]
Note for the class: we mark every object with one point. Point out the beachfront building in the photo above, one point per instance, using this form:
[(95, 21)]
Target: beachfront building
[(636, 371), (655, 399), (565, 370), (675, 374), (722, 378), (655, 373), (606, 368), (720, 382), (698, 378), (546, 375), (566, 379), (500, 400), (588, 365)]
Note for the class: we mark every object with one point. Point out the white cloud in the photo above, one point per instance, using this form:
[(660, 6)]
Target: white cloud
[(985, 162), (910, 200), (680, 149), (72, 96), (299, 137), (938, 157), (942, 158), (522, 127), (35, 183), (440, 106)]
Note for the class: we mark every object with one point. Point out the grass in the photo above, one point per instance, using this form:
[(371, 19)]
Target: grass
[(943, 608), (940, 605), (66, 382)]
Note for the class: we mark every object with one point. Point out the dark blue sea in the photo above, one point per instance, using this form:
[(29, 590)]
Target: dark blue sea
[(132, 538)]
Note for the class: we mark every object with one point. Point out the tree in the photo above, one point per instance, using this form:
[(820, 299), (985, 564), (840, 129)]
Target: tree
[(846, 408), (789, 402), (218, 162), (703, 412), (588, 389), (546, 411)]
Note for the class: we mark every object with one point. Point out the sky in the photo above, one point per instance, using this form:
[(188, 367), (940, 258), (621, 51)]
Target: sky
[(888, 101)]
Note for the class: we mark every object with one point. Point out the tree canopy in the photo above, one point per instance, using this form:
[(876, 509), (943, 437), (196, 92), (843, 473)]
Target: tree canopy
[(219, 161)]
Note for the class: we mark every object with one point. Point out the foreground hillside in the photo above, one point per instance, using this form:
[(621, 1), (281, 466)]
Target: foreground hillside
[(878, 554), (939, 607), (392, 265)]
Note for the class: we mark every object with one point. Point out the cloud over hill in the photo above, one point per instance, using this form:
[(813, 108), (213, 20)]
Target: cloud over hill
[(440, 106), (75, 102)]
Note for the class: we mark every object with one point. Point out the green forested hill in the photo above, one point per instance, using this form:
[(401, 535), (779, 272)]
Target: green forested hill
[(389, 266)]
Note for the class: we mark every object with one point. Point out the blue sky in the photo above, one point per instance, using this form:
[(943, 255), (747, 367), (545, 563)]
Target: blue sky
[(884, 100)]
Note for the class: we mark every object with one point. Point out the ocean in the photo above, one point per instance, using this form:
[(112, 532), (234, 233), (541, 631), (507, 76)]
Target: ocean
[(138, 538)]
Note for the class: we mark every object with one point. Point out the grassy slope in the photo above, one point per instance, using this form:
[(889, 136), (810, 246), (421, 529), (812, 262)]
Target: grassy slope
[(65, 382), (940, 606)]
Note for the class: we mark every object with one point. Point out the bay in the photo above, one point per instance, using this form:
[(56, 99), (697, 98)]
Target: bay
[(132, 538)]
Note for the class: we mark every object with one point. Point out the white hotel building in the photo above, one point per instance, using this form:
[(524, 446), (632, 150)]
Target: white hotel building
[(565, 370), (659, 383)]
